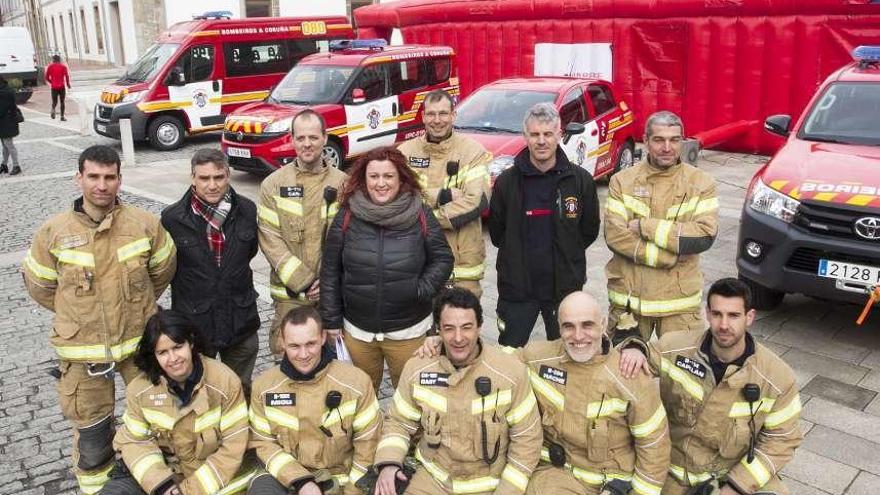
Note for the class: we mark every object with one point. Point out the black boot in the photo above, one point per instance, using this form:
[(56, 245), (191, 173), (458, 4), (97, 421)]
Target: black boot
[(15, 170), (63, 119), (52, 114), (3, 169)]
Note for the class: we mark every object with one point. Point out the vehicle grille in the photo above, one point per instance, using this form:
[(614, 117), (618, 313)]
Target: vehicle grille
[(104, 112), (254, 165), (232, 137), (807, 259), (831, 220)]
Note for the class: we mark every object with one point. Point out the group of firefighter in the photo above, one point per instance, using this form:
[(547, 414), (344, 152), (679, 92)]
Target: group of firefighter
[(601, 407)]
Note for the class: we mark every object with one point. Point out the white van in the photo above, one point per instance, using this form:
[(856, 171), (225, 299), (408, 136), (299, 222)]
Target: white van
[(18, 60)]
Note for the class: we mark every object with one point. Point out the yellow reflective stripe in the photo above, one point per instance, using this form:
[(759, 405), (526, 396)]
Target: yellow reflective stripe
[(590, 477), (98, 352), (661, 236), (73, 257), (469, 272), (132, 249), (476, 173), (689, 478), (39, 270), (636, 206), (279, 292), (515, 477), (289, 206), (282, 418), (333, 416), (547, 390), (141, 466), (406, 409), (434, 470), (158, 418), (431, 399), (757, 470), (259, 423), (163, 253), (207, 479), (705, 206), (643, 487), (233, 416), (682, 208), (648, 308), (138, 429), (776, 418), (744, 409), (92, 483), (366, 416), (681, 377), (522, 410), (279, 461), (393, 441), (485, 404), (476, 485), (341, 479), (356, 473), (208, 420), (269, 215), (287, 268), (650, 426), (615, 206), (606, 407), (652, 252), (238, 485), (330, 212)]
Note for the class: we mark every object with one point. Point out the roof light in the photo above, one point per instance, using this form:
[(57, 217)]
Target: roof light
[(867, 53), (215, 14), (370, 44)]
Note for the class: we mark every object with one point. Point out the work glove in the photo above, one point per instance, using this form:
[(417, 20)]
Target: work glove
[(367, 482), (616, 487), (710, 487)]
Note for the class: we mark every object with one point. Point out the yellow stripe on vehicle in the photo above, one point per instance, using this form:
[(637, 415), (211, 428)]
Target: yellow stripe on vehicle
[(240, 97), (656, 420), (39, 270), (156, 106), (785, 414)]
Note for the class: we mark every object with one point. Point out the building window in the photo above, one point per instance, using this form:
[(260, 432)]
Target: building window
[(99, 32), (85, 35), (72, 30), (55, 46), (63, 46)]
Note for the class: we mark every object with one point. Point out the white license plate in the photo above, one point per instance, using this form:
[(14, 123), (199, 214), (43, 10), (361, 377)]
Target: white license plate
[(851, 272), (239, 152), (101, 127)]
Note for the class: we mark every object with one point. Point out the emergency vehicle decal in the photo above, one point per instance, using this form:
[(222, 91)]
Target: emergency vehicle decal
[(111, 97), (851, 193), (410, 115), (409, 55), (247, 124), (308, 28), (157, 106)]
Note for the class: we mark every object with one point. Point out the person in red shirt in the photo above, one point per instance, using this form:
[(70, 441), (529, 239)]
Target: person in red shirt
[(58, 77)]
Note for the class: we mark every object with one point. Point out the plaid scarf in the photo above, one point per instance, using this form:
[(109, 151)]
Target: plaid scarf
[(215, 216)]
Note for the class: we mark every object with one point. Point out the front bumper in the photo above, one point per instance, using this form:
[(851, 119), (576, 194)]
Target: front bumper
[(789, 261), (268, 152), (106, 120)]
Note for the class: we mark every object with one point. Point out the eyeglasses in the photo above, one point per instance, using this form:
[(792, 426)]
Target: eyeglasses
[(437, 115)]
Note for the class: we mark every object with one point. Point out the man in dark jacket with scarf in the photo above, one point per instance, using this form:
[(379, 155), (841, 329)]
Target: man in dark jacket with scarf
[(543, 215), (215, 231)]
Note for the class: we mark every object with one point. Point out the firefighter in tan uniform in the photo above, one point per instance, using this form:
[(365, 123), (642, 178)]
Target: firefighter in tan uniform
[(660, 215), (580, 390), (99, 267), (315, 421), (453, 174), (297, 204), (479, 420), (185, 429)]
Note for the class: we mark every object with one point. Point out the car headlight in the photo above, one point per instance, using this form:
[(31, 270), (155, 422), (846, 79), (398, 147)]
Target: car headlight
[(282, 125), (133, 96), (771, 202), (500, 164)]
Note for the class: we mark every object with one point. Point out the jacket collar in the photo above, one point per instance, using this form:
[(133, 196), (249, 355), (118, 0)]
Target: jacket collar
[(322, 170), (443, 147), (600, 357), (524, 164), (104, 224), (457, 374), (289, 371), (184, 211), (655, 171)]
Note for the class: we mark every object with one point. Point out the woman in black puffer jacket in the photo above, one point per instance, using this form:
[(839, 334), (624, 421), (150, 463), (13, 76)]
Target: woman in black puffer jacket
[(385, 258)]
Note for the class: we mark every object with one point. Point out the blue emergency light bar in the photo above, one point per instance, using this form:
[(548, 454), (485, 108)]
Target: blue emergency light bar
[(215, 14), (370, 44), (867, 53)]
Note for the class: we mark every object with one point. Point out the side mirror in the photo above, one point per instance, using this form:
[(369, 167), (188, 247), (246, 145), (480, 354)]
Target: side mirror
[(572, 129), (358, 96), (778, 124)]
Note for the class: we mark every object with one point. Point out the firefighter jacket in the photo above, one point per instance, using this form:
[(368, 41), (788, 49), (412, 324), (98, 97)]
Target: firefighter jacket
[(459, 218), (294, 211), (658, 270), (100, 278), (460, 428), (709, 424), (295, 434), (199, 445), (625, 422)]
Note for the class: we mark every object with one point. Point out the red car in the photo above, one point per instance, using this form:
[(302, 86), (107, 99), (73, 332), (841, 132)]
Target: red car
[(598, 125), (811, 220)]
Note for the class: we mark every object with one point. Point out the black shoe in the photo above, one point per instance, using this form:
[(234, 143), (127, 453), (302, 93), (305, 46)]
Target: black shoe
[(15, 170), (63, 119), (4, 169)]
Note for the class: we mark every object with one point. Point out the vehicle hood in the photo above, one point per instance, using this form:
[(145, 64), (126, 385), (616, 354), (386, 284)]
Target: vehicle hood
[(270, 112), (498, 144), (828, 172), (116, 91)]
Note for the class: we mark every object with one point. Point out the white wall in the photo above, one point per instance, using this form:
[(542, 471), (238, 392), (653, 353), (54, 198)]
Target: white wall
[(177, 11), (52, 10), (299, 8)]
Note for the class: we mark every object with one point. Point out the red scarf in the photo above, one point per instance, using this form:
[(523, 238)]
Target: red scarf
[(214, 216)]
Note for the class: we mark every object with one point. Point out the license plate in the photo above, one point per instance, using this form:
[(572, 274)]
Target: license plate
[(101, 127), (851, 272), (239, 152)]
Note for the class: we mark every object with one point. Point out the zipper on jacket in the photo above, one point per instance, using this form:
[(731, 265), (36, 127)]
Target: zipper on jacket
[(380, 270)]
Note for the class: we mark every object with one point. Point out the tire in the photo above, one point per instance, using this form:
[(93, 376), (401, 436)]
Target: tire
[(166, 133), (625, 158), (763, 298), (332, 154)]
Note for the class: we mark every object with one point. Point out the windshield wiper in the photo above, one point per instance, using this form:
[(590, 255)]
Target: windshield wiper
[(484, 128), (295, 102)]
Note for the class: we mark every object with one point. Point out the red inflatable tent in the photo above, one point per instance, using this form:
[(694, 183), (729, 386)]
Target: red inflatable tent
[(712, 61)]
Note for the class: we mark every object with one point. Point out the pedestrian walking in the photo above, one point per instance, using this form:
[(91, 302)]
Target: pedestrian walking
[(58, 78), (10, 117)]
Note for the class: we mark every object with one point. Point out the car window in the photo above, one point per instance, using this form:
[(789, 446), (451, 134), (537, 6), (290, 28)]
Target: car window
[(573, 107), (312, 84), (601, 97), (408, 75), (845, 113), (197, 63), (439, 70), (373, 79), (251, 58)]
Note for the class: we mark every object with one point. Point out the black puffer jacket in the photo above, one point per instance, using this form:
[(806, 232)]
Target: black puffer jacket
[(382, 280)]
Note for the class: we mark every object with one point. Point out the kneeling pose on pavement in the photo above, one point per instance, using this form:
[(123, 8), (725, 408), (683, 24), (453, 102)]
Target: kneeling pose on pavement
[(315, 421), (479, 421), (185, 428)]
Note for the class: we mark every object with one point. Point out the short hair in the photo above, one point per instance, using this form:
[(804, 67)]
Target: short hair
[(438, 95), (299, 316), (357, 178), (177, 326), (209, 155), (663, 118), (542, 112), (457, 297), (731, 287), (308, 112), (56, 58), (99, 153)]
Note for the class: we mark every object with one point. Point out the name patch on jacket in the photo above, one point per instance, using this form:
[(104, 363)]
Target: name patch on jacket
[(554, 375), (572, 206), (291, 191), (691, 366), (281, 399), (433, 379), (416, 162), (72, 241)]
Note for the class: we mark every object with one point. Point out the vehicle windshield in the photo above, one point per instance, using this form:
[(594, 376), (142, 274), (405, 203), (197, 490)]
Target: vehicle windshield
[(149, 64), (498, 110), (312, 84), (846, 113)]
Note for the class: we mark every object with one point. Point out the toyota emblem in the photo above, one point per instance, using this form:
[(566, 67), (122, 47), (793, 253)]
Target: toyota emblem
[(239, 136), (868, 228)]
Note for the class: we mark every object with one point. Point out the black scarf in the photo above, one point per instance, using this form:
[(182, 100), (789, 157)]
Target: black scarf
[(326, 357)]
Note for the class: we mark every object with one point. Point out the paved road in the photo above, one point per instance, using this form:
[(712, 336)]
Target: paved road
[(837, 364)]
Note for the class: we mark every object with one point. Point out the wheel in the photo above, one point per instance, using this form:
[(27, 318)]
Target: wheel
[(762, 297), (166, 133), (625, 158), (332, 154)]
